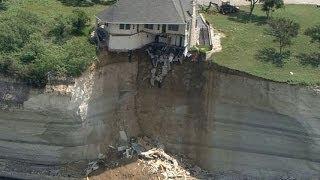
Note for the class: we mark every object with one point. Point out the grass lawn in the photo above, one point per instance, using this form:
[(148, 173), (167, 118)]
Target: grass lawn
[(244, 39), (49, 9)]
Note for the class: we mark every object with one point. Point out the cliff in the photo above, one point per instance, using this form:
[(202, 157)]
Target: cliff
[(65, 123), (227, 121)]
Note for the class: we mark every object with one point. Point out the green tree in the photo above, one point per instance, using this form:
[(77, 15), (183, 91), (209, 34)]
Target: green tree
[(3, 5), (314, 33), (9, 39), (269, 6), (80, 55), (15, 31), (252, 5), (60, 30), (79, 20), (283, 30)]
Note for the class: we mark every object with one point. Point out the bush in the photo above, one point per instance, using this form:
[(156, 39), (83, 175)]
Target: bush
[(60, 30), (80, 54), (79, 20), (312, 59), (314, 33), (87, 2), (16, 30), (27, 53)]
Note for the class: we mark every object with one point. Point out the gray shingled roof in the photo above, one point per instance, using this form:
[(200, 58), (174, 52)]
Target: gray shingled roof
[(145, 12)]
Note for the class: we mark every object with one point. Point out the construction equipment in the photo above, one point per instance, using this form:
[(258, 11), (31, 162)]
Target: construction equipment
[(224, 8)]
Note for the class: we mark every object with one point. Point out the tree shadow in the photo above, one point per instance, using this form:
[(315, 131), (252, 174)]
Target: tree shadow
[(244, 17), (3, 6), (86, 3), (77, 3), (271, 55), (312, 59)]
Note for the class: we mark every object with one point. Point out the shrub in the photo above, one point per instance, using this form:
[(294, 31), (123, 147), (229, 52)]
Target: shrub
[(314, 33), (80, 54), (312, 59), (60, 30), (27, 53), (79, 20)]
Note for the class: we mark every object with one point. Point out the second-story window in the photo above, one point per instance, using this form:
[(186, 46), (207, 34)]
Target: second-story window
[(148, 26), (172, 27)]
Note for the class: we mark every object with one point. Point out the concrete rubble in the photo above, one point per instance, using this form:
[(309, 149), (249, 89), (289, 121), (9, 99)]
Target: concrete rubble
[(162, 58), (151, 155)]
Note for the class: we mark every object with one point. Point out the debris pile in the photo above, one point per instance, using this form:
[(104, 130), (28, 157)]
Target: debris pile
[(162, 57), (158, 161), (151, 156)]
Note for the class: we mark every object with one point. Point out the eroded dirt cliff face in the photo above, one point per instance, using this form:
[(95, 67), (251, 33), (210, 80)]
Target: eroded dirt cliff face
[(227, 121), (68, 123), (231, 122)]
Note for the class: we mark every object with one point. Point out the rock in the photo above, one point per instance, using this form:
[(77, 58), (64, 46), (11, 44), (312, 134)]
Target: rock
[(123, 136)]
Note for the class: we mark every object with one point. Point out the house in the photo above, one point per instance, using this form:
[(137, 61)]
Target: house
[(132, 24)]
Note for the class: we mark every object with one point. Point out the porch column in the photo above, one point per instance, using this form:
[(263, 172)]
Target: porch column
[(193, 33)]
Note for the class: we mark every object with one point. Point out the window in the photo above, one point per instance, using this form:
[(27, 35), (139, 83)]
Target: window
[(158, 27), (124, 26), (173, 27), (148, 26)]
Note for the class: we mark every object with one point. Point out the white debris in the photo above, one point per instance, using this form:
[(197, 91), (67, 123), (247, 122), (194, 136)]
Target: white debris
[(123, 136), (158, 161), (92, 166), (128, 153), (101, 156), (122, 148)]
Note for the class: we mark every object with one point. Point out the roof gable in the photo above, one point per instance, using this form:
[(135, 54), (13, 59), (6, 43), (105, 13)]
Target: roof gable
[(145, 12)]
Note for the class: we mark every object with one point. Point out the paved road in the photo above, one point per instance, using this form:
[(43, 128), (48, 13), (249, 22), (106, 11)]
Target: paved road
[(244, 2)]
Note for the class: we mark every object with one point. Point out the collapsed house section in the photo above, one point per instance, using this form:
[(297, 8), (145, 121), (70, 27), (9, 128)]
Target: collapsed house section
[(162, 57), (166, 29)]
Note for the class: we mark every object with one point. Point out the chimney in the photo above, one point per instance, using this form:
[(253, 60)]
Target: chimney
[(193, 31)]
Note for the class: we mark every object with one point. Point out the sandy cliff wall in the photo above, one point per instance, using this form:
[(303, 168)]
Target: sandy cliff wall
[(235, 123), (67, 123), (227, 121)]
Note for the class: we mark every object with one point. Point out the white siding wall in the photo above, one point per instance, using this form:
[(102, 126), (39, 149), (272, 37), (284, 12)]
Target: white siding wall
[(124, 40), (125, 43), (154, 30), (115, 29)]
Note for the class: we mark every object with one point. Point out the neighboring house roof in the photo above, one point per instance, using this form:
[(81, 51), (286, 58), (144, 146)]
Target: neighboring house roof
[(146, 12)]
